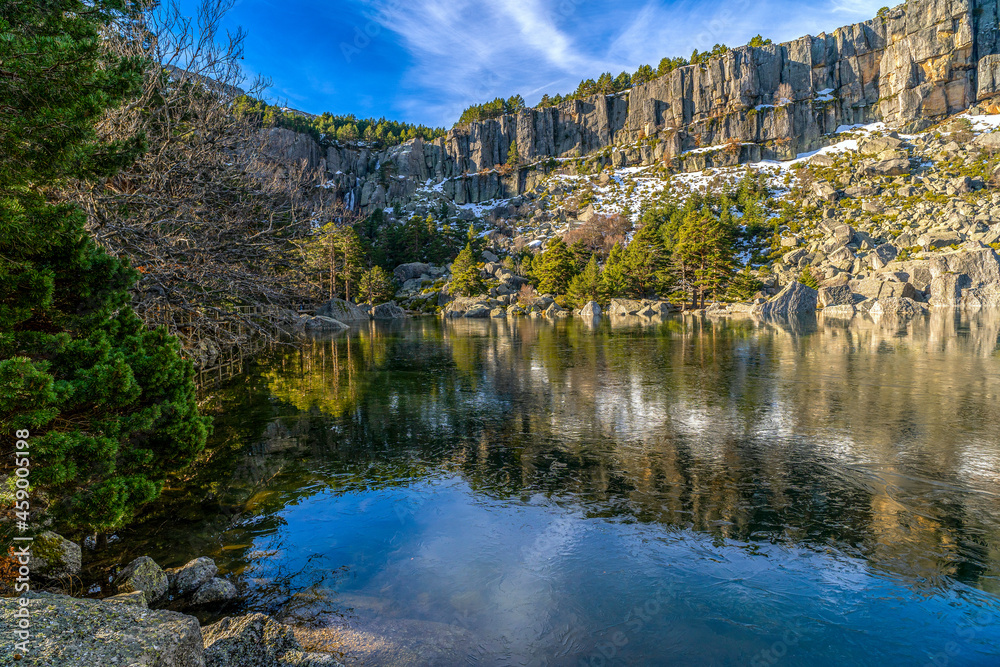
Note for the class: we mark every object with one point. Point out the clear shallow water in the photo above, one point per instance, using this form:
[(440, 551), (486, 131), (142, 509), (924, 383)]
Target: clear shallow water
[(486, 493)]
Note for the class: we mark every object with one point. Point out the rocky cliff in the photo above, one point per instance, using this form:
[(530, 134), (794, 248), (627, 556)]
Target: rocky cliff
[(921, 61)]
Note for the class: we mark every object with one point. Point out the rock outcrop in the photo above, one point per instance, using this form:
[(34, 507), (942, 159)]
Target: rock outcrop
[(54, 556), (257, 640), (794, 299), (920, 61), (342, 311)]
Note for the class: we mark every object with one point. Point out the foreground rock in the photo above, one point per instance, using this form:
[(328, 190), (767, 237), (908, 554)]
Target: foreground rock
[(897, 307), (186, 579), (794, 299), (257, 640), (54, 556), (90, 633), (639, 308), (320, 323)]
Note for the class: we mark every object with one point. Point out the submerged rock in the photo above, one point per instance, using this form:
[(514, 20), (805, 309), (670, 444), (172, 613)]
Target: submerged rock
[(591, 310), (257, 640), (320, 323)]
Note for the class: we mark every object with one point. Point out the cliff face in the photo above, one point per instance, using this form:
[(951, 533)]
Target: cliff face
[(923, 60)]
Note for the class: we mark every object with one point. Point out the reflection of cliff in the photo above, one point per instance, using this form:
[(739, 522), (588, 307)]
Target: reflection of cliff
[(855, 436)]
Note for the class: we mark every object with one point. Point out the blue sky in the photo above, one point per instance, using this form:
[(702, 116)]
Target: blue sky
[(423, 61)]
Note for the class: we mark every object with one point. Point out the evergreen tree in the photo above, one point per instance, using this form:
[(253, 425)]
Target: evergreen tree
[(110, 405), (646, 263), (614, 278), (642, 75), (586, 285), (554, 268), (513, 159), (465, 276), (376, 286), (808, 279)]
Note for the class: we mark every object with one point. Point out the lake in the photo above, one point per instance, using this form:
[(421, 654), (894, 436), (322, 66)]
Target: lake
[(688, 492)]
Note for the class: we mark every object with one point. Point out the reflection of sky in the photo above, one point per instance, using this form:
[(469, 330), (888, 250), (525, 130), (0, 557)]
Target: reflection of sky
[(531, 579)]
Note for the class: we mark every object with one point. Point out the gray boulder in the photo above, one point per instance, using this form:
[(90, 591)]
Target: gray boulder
[(69, 631), (794, 299), (342, 311), (388, 311), (186, 579), (895, 167), (320, 323), (478, 312), (624, 307), (54, 556), (897, 307), (989, 141), (941, 238), (214, 590), (591, 310), (836, 295), (946, 290), (410, 271), (142, 575), (256, 640)]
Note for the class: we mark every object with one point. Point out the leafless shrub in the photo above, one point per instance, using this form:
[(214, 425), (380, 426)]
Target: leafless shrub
[(600, 233), (204, 215), (784, 95)]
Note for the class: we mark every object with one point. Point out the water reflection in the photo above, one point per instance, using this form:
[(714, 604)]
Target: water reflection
[(513, 489)]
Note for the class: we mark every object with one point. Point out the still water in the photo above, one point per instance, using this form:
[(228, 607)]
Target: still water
[(686, 493)]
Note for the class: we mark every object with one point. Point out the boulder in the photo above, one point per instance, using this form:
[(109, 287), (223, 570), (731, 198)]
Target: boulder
[(836, 295), (946, 290), (624, 307), (320, 323), (256, 640), (498, 313), (941, 238), (489, 256), (898, 307), (989, 141), (874, 288), (794, 299), (388, 311), (882, 254), (590, 310), (877, 145), (479, 311), (186, 579), (843, 235), (142, 575), (894, 167), (54, 556), (411, 271), (515, 311), (342, 311), (69, 631), (214, 590)]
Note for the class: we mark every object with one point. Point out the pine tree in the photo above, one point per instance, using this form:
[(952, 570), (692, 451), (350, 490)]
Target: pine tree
[(586, 286), (513, 158), (554, 268), (646, 263), (376, 286), (465, 276), (614, 279), (110, 405)]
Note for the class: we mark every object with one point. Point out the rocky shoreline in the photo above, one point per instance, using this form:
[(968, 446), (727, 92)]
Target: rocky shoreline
[(131, 627)]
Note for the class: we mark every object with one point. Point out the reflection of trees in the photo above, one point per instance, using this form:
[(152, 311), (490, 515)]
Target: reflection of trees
[(853, 436)]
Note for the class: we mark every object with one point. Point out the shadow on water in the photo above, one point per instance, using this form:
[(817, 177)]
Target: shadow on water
[(708, 491)]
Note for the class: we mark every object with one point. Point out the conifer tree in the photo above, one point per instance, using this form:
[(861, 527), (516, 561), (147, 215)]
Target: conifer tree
[(110, 405), (646, 263), (586, 285), (513, 158), (465, 277), (614, 278), (554, 268), (376, 286)]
